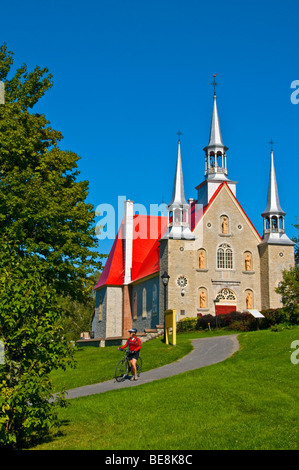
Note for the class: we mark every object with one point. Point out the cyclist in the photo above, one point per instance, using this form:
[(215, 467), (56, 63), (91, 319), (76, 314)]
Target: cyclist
[(134, 344)]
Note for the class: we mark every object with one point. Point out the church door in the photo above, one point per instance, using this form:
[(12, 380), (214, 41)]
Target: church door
[(226, 301), (222, 309)]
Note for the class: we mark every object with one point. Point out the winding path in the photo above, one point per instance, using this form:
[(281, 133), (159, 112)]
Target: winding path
[(207, 351)]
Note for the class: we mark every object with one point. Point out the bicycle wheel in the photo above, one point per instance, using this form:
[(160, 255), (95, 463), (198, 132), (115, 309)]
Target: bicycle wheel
[(121, 370), (139, 366)]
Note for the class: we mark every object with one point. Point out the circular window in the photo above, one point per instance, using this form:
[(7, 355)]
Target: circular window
[(181, 281)]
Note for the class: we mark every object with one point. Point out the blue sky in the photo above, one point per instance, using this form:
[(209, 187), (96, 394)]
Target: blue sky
[(128, 74)]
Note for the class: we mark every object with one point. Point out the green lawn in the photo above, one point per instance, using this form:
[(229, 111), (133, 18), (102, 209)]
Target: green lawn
[(249, 401)]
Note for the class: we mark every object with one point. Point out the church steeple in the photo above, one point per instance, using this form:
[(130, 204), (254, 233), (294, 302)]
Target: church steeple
[(215, 151), (273, 215), (215, 159), (178, 223)]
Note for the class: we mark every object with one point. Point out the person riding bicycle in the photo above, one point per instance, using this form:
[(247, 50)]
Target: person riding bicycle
[(134, 344)]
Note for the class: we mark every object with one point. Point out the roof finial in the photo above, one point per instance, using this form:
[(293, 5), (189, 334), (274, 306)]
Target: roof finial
[(214, 83), (271, 143), (179, 133)]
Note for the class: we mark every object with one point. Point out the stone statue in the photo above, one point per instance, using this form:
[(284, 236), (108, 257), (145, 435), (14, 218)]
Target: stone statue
[(248, 262), (202, 299), (249, 300), (201, 260), (224, 225)]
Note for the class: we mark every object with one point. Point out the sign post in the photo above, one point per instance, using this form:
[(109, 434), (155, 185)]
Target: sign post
[(170, 322)]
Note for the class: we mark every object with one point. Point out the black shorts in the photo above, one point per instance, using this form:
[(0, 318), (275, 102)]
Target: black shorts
[(133, 355)]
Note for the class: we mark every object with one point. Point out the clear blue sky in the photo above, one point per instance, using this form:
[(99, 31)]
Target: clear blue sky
[(129, 73)]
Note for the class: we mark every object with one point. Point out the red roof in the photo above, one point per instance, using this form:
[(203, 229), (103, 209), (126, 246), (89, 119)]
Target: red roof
[(147, 231)]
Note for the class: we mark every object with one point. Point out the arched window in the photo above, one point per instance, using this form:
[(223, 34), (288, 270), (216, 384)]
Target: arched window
[(154, 300), (144, 313), (224, 257), (100, 308), (135, 306)]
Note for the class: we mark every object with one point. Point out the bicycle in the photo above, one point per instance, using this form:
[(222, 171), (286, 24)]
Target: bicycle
[(123, 368)]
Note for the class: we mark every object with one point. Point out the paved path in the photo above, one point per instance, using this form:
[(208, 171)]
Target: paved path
[(206, 351)]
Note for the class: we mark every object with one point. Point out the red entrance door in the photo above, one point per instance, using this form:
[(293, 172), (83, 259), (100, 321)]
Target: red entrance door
[(222, 309)]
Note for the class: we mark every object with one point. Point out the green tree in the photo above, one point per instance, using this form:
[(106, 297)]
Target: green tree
[(289, 287), (289, 290), (78, 315), (31, 330), (48, 251), (296, 240), (42, 204)]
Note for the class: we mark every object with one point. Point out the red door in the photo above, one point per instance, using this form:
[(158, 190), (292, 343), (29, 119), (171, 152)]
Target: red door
[(222, 309)]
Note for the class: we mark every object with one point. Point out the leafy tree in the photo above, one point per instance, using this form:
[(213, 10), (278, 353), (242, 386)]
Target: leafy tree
[(48, 251), (289, 287), (42, 205), (296, 240), (78, 315), (289, 290), (31, 329)]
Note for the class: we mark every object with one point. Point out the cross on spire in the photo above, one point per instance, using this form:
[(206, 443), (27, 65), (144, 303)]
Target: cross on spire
[(214, 83), (271, 143), (179, 133)]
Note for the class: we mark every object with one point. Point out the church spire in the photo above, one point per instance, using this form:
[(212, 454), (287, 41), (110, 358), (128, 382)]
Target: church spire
[(273, 215), (178, 225), (273, 204), (178, 193), (215, 158)]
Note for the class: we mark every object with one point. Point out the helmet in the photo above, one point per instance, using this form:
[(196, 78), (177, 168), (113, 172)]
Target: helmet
[(133, 330)]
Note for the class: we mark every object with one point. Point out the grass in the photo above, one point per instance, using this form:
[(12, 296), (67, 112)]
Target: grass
[(248, 401), (95, 365)]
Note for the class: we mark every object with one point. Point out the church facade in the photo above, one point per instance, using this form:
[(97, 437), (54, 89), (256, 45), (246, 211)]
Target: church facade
[(215, 259)]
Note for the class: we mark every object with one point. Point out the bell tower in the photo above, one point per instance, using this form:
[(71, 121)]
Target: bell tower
[(276, 250), (178, 208), (215, 159)]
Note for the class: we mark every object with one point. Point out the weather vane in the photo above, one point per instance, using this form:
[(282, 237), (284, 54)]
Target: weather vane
[(179, 133), (214, 83)]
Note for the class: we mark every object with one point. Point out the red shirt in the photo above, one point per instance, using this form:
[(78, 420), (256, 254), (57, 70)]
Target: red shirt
[(134, 344)]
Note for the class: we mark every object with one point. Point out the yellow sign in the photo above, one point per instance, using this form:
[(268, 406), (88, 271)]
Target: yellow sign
[(170, 322)]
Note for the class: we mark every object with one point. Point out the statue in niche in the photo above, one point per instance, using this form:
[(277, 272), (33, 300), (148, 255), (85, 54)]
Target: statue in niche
[(224, 225), (248, 265), (249, 300), (201, 260), (202, 299)]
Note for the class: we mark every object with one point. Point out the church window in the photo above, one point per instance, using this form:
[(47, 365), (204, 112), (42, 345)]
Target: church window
[(226, 295), (135, 306), (154, 300), (224, 257), (100, 307), (144, 303)]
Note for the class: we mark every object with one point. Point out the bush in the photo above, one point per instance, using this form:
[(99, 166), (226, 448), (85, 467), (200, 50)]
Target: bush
[(234, 321), (274, 317), (239, 321)]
